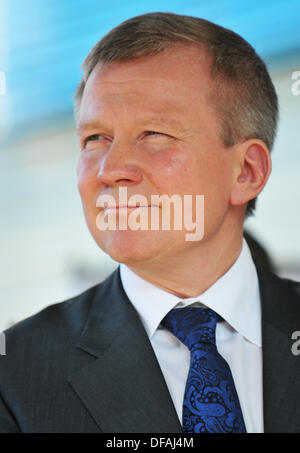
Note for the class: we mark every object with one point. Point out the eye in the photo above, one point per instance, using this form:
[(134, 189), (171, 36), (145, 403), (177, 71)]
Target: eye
[(92, 138), (98, 138), (147, 133), (152, 132)]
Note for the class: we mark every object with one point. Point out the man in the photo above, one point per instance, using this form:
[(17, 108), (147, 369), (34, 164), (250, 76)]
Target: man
[(168, 105)]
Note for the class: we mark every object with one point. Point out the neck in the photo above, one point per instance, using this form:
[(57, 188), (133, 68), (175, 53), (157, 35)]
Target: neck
[(201, 266)]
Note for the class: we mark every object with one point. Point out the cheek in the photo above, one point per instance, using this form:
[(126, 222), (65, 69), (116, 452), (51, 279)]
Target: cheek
[(171, 170), (86, 175), (189, 171)]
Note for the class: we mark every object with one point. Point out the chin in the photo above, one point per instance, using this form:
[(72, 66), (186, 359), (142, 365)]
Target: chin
[(130, 247)]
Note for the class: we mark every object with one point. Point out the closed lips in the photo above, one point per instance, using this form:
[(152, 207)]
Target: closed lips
[(130, 207)]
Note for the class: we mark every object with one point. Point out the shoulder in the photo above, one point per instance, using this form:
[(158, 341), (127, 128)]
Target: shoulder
[(288, 284), (275, 280), (57, 319), (296, 286), (40, 356), (55, 326), (280, 297)]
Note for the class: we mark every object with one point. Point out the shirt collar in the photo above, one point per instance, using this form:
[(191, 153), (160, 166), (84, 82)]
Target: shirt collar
[(234, 296)]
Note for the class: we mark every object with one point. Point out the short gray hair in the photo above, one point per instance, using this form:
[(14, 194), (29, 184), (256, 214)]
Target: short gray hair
[(244, 95)]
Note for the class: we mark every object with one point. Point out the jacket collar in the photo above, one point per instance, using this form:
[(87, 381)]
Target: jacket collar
[(123, 387)]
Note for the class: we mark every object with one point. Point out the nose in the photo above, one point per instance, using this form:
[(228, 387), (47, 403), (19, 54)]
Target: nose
[(119, 167)]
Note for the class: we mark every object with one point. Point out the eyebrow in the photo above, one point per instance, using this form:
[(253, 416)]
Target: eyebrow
[(163, 120), (91, 124), (151, 120)]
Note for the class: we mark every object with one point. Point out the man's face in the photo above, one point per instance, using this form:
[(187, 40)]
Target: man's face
[(147, 125)]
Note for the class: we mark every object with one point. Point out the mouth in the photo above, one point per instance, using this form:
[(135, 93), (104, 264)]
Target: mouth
[(126, 207)]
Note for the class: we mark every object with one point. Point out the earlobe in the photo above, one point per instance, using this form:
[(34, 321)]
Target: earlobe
[(253, 170)]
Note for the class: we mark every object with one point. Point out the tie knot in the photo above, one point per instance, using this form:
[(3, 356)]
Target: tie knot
[(192, 326)]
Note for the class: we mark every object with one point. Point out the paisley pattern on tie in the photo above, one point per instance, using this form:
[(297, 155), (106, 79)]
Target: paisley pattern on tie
[(211, 403)]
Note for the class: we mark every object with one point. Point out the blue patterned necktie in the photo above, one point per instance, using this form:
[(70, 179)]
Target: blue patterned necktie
[(211, 403)]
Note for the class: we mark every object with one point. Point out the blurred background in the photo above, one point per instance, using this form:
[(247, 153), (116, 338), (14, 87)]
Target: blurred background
[(47, 254)]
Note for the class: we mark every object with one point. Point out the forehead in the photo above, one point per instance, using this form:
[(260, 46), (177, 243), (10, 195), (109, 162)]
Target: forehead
[(174, 76)]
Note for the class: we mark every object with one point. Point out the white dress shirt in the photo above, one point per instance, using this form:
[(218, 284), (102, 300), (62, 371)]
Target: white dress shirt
[(235, 297)]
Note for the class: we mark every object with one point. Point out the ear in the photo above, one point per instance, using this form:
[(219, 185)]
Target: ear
[(251, 171)]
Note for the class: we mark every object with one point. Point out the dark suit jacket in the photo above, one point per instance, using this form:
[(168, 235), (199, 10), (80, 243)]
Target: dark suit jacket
[(86, 365)]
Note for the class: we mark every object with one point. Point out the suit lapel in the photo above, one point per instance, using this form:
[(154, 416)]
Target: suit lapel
[(281, 369), (123, 387)]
